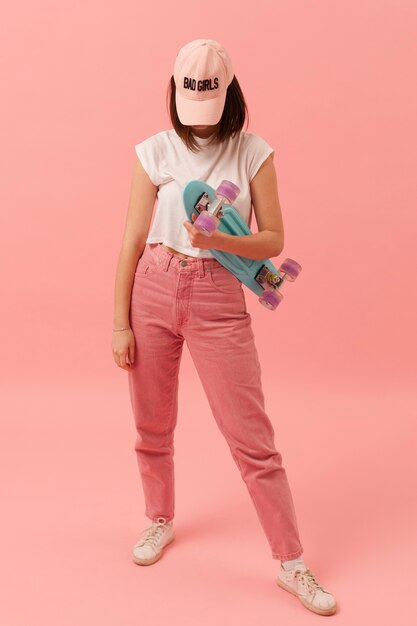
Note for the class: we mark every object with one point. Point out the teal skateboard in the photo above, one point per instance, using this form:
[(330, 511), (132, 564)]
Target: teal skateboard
[(214, 209)]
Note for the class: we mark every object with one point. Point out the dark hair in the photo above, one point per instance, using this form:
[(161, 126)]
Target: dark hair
[(231, 121)]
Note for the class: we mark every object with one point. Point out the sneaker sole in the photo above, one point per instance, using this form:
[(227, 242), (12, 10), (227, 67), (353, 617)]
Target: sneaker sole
[(139, 561), (328, 611)]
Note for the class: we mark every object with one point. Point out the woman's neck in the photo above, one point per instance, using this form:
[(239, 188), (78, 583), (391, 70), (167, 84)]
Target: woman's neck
[(204, 132)]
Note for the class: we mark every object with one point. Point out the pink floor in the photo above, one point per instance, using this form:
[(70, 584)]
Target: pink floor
[(73, 507)]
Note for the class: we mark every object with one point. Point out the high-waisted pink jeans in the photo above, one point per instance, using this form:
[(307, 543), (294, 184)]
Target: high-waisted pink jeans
[(202, 302)]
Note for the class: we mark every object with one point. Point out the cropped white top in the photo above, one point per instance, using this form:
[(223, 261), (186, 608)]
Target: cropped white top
[(170, 165)]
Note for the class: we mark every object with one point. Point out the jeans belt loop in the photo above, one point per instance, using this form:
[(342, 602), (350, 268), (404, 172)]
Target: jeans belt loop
[(200, 264), (165, 260)]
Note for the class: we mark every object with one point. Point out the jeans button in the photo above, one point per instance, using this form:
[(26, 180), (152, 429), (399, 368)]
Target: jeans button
[(184, 263)]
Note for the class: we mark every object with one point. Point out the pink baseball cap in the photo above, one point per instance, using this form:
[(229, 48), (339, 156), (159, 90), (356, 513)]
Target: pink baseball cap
[(203, 71)]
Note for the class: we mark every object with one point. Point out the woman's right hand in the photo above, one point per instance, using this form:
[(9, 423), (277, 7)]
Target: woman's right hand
[(123, 347)]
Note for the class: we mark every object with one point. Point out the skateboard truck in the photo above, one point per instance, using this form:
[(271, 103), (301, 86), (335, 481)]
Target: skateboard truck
[(272, 282), (210, 212)]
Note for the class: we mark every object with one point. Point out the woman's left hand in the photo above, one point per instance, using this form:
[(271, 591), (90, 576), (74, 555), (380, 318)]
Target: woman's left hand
[(198, 240)]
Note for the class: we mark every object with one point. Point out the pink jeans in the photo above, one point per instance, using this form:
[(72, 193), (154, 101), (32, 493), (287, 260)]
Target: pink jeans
[(200, 301)]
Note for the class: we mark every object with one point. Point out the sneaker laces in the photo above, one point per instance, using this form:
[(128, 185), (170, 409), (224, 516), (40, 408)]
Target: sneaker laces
[(308, 576), (153, 533)]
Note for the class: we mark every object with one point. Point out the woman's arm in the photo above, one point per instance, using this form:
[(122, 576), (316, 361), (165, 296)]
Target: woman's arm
[(269, 241), (141, 202)]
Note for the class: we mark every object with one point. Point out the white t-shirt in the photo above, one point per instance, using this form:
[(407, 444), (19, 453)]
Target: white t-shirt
[(170, 165)]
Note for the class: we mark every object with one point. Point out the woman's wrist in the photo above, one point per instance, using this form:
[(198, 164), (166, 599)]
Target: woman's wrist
[(219, 239), (121, 323)]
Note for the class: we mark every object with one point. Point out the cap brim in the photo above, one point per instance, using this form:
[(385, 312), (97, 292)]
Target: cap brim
[(196, 112)]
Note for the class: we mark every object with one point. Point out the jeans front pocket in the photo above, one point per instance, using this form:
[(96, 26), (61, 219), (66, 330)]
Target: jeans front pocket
[(147, 264), (224, 280)]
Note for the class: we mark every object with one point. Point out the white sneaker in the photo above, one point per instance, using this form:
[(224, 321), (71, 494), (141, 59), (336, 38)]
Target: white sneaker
[(302, 583), (148, 548)]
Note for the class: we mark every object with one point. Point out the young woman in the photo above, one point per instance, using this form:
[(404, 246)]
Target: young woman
[(170, 288)]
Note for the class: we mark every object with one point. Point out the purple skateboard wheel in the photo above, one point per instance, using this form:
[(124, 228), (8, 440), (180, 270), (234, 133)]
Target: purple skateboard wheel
[(228, 190), (206, 223), (291, 268), (271, 299)]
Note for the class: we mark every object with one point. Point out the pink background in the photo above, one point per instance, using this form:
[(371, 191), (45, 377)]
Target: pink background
[(331, 85)]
